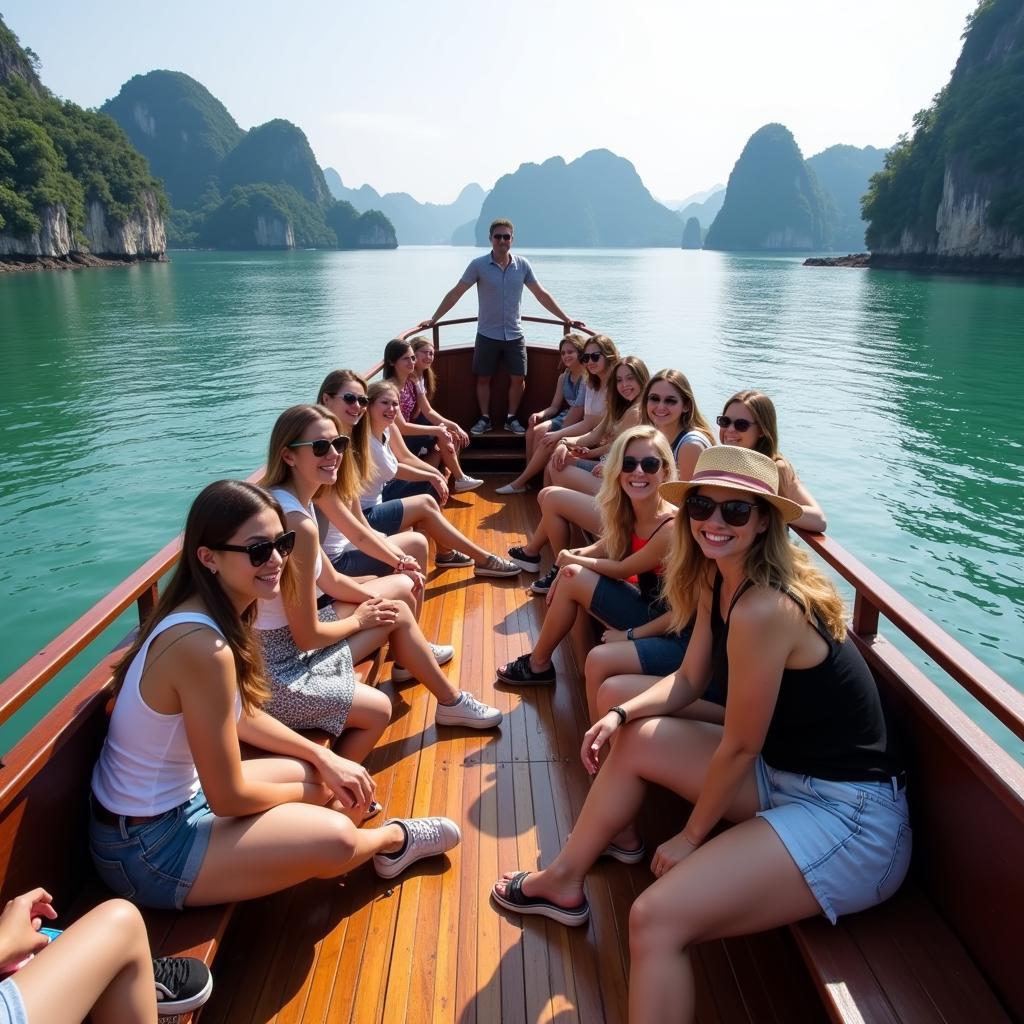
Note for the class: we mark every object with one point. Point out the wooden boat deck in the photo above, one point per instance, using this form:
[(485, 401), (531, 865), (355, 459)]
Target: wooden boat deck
[(430, 947)]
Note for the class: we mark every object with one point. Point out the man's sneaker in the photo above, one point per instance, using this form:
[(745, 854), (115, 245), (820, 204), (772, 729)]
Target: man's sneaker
[(424, 837), (481, 426), (183, 984), (523, 558), (514, 426), (510, 489), (495, 566), (453, 560), (466, 483), (468, 712), (443, 653), (544, 584)]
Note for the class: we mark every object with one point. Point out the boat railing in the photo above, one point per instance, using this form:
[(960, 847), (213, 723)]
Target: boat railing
[(435, 330)]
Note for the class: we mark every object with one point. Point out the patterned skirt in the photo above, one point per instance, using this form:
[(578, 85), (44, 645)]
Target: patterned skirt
[(308, 689)]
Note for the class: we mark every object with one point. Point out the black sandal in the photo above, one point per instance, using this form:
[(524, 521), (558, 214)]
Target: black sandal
[(514, 899)]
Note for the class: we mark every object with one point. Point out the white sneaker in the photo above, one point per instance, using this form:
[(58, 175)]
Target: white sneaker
[(443, 653), (509, 489), (468, 712), (424, 837), (466, 483)]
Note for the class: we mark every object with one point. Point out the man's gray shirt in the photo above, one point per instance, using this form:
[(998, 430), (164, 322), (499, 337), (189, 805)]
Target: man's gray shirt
[(500, 293)]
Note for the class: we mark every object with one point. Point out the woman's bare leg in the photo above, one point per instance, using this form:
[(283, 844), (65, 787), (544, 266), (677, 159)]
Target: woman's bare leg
[(576, 479), (102, 963), (415, 546), (537, 455), (560, 508), (737, 883), (424, 513), (573, 589)]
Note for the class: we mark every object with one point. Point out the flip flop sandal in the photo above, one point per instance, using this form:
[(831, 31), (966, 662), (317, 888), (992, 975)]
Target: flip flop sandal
[(624, 856), (372, 811), (514, 899)]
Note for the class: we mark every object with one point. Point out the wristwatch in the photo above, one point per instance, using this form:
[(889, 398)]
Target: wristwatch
[(629, 633)]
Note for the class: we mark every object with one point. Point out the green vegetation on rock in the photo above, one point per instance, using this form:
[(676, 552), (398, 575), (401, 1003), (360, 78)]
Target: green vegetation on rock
[(844, 173), (966, 152), (773, 200)]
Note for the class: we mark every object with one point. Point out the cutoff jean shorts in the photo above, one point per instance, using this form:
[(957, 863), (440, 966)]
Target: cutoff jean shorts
[(12, 1008), (851, 840), (153, 864)]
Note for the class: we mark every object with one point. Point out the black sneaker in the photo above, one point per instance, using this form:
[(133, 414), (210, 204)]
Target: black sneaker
[(522, 558), (544, 584), (183, 984)]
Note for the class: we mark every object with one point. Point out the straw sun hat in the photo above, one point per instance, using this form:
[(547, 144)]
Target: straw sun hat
[(742, 469)]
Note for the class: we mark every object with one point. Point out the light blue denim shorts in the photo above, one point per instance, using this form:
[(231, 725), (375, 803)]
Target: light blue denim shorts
[(850, 840), (12, 1008), (153, 864)]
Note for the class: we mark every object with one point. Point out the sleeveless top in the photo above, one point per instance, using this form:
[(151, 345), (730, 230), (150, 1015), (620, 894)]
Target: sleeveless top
[(408, 396), (383, 470), (270, 614), (649, 582), (572, 390), (146, 765), (689, 437), (828, 720), (594, 401)]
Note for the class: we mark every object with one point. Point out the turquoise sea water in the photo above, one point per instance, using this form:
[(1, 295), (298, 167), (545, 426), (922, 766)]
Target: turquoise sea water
[(126, 390)]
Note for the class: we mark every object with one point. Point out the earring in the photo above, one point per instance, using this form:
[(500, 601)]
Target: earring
[(213, 570)]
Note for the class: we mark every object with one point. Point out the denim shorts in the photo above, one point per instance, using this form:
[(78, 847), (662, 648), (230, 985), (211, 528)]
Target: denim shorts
[(662, 655), (12, 1008), (850, 840), (398, 489), (354, 562), (153, 864), (620, 605), (385, 516)]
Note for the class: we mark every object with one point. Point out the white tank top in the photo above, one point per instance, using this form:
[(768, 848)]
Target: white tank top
[(146, 765), (271, 614), (385, 469)]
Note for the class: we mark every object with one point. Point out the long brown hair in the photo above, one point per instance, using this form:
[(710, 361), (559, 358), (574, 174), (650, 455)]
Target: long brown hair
[(393, 351), (290, 427), (617, 515), (610, 353), (762, 408), (429, 378), (217, 513), (691, 418), (617, 405), (358, 454), (772, 561)]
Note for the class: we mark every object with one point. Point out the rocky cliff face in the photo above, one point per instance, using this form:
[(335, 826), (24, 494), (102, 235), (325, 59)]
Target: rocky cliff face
[(274, 233), (53, 239)]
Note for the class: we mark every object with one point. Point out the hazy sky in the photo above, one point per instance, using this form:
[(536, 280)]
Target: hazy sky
[(425, 97)]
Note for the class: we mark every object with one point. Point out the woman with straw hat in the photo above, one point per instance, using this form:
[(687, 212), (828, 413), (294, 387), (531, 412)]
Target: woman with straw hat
[(804, 764)]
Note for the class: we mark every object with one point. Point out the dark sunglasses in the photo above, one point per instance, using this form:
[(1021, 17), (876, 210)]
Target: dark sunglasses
[(502, 238), (650, 464), (741, 425), (591, 357), (663, 399), (260, 552), (349, 399), (734, 511), (321, 446)]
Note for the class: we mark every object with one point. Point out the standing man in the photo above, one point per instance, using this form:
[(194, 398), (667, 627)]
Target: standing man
[(499, 277)]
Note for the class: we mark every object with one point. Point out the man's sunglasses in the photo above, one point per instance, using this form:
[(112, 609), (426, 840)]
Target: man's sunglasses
[(734, 511), (260, 552), (650, 464), (349, 399), (591, 357), (321, 446), (741, 425), (502, 238)]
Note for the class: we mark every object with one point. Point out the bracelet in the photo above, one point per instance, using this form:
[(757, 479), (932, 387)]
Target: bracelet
[(629, 633), (621, 712)]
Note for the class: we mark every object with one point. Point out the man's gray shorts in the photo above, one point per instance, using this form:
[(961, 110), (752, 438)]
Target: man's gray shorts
[(488, 353)]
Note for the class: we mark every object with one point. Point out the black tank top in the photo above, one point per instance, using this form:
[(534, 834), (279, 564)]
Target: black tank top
[(828, 720)]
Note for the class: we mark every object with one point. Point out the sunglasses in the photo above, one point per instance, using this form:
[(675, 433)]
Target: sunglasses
[(650, 464), (591, 357), (741, 425), (502, 238), (260, 552), (349, 399), (663, 399), (321, 446), (734, 511)]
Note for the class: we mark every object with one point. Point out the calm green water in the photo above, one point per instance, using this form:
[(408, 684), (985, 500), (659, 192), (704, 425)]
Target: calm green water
[(126, 390)]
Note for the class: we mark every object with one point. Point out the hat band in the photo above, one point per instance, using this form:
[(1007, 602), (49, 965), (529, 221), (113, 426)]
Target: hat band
[(740, 480)]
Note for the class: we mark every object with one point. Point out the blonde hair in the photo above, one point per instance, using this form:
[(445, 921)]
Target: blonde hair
[(429, 378), (356, 460), (290, 427), (617, 515), (773, 561), (690, 419), (377, 388)]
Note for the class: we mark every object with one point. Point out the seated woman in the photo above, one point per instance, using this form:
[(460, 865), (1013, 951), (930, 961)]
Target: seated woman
[(804, 764), (668, 403), (178, 819), (353, 546), (399, 368), (426, 384), (576, 462), (617, 579), (563, 412), (749, 421), (323, 623), (101, 968), (392, 514)]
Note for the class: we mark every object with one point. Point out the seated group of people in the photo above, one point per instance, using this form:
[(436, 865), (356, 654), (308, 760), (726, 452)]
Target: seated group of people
[(724, 671)]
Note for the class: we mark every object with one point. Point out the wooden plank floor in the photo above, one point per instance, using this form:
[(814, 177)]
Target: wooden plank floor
[(430, 947)]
